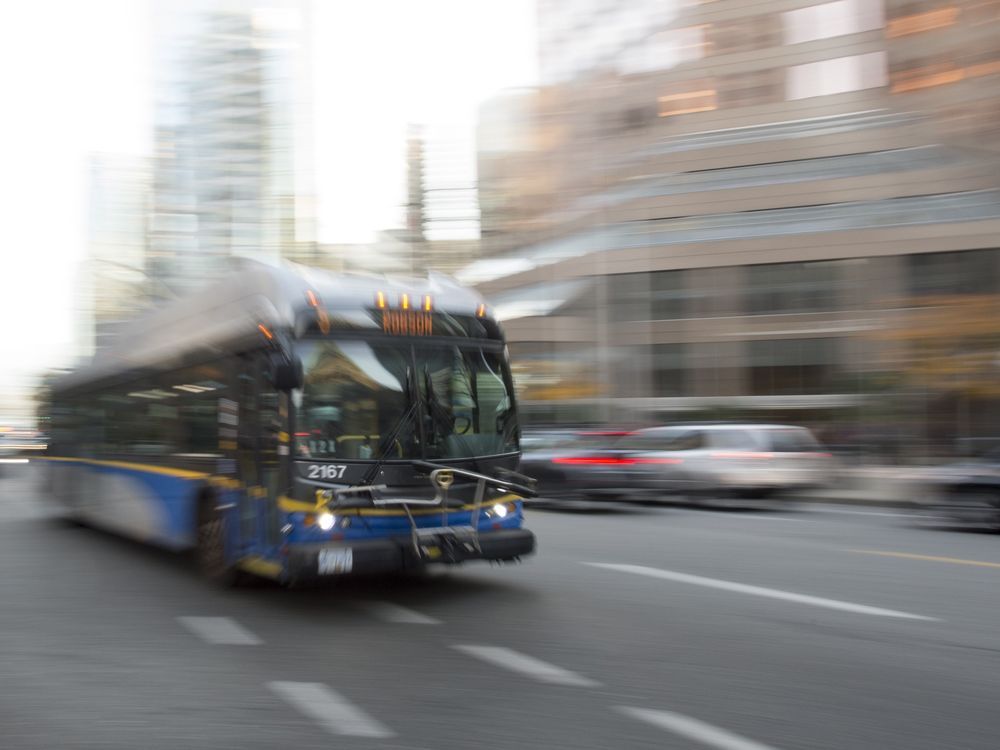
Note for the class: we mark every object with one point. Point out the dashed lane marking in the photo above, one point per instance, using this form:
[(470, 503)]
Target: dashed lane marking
[(329, 709), (527, 665), (390, 612), (693, 729), (222, 631), (929, 558), (742, 588)]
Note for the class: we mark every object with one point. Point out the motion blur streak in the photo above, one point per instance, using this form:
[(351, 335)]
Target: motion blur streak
[(341, 333)]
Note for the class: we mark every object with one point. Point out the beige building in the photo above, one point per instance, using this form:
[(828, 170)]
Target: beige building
[(749, 200)]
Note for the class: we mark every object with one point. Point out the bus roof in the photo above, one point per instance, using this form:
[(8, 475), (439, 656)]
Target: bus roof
[(225, 314)]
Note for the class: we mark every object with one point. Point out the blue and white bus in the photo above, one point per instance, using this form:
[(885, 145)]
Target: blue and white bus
[(297, 424)]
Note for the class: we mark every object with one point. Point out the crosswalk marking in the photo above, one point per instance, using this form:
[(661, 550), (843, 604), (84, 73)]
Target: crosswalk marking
[(389, 612), (526, 665), (329, 709), (222, 631), (693, 729)]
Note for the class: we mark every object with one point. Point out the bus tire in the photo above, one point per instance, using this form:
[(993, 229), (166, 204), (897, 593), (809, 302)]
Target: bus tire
[(210, 549)]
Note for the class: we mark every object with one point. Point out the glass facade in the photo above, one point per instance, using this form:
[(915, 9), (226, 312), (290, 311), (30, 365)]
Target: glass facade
[(968, 272), (669, 371), (775, 288), (779, 367)]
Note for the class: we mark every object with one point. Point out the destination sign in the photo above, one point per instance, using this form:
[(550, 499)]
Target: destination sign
[(407, 322)]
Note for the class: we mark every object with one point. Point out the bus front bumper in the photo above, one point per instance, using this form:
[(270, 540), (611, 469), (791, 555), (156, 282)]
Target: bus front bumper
[(377, 556)]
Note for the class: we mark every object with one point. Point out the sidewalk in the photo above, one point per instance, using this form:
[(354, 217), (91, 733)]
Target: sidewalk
[(892, 486)]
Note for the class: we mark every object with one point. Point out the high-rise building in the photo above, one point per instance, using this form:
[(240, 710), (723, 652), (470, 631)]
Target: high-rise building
[(232, 174), (746, 200), (943, 60), (442, 211), (114, 283)]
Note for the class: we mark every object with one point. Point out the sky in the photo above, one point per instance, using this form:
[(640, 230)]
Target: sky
[(75, 79)]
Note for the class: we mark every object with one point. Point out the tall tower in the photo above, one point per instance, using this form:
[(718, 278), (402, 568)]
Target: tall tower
[(415, 219), (114, 281), (232, 175)]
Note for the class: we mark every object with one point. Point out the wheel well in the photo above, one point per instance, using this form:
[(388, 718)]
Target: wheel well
[(204, 503)]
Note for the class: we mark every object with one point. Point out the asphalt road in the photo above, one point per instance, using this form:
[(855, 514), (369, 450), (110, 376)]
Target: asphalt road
[(649, 627)]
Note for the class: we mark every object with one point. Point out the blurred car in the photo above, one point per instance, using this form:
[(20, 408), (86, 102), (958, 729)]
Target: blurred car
[(724, 462), (698, 462), (967, 492), (575, 464)]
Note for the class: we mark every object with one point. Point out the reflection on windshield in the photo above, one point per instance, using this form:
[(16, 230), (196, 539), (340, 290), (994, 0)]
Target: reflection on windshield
[(469, 411), (357, 398), (354, 393)]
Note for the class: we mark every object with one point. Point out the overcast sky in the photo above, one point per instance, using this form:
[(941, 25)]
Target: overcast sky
[(75, 79)]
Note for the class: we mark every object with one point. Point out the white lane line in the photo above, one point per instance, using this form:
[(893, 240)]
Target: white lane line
[(746, 516), (220, 630), (901, 514), (389, 612), (329, 709), (742, 588), (818, 508), (527, 665), (693, 729)]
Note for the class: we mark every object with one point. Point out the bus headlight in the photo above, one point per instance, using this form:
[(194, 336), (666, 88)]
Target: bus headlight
[(500, 510), (326, 521)]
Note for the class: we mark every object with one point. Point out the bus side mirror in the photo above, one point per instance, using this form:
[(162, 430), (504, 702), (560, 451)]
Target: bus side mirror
[(286, 374)]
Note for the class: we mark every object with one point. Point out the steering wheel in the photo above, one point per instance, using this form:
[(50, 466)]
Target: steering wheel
[(463, 429)]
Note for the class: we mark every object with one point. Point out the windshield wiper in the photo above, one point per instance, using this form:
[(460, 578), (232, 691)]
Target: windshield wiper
[(438, 413), (390, 438)]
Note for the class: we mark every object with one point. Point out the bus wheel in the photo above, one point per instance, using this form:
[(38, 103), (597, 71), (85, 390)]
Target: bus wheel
[(211, 548)]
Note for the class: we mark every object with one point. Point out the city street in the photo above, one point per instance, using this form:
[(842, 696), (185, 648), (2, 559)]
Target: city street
[(818, 627)]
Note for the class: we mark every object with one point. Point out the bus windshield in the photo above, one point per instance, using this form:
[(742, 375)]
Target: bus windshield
[(367, 399)]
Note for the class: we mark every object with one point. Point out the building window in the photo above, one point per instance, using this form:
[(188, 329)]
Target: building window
[(837, 76), (659, 295), (965, 272), (914, 75), (832, 19), (665, 50), (793, 366), (669, 295), (744, 35), (668, 372), (939, 70), (775, 288), (689, 96), (629, 297), (917, 23), (748, 89)]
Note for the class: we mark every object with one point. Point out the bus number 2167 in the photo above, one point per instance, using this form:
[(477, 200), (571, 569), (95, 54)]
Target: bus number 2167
[(326, 471)]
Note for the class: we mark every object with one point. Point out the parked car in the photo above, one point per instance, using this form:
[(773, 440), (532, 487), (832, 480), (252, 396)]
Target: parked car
[(575, 464), (967, 492), (723, 462)]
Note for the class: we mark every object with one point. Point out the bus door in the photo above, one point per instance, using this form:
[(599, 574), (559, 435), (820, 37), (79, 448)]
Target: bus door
[(261, 435)]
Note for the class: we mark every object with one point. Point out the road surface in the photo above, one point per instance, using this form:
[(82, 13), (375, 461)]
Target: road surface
[(649, 627)]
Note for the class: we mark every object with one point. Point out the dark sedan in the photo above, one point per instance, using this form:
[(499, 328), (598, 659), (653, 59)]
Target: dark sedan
[(575, 464), (968, 492)]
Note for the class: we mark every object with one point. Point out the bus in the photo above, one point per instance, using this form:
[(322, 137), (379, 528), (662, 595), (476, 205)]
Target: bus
[(298, 424)]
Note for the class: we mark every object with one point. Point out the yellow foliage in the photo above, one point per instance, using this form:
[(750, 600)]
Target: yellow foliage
[(949, 344)]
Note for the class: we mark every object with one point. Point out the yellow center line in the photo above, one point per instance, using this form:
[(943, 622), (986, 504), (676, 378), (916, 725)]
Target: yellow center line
[(931, 558)]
